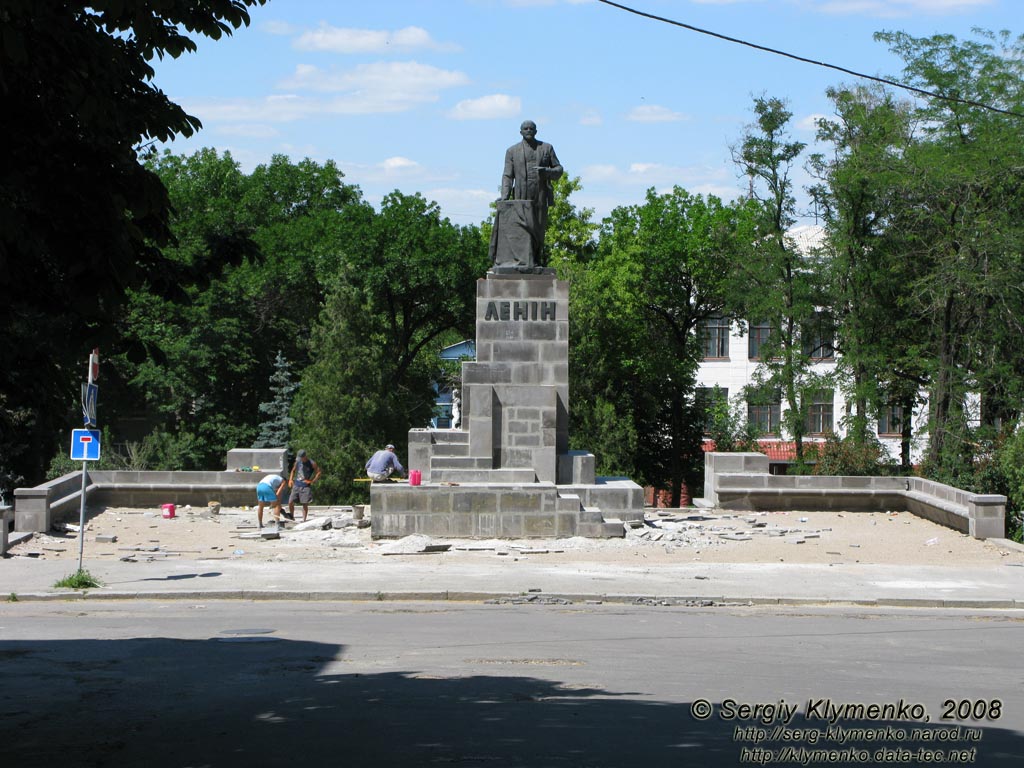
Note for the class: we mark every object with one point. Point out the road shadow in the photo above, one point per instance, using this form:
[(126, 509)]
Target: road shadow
[(183, 576), (251, 699)]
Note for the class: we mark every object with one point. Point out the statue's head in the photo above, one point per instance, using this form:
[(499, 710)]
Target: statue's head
[(528, 130)]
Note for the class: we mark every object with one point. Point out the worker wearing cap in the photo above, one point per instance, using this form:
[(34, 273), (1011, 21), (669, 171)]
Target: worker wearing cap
[(383, 464), (305, 472)]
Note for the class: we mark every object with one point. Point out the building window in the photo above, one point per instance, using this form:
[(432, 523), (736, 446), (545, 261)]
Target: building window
[(764, 411), (890, 420), (819, 412), (709, 401), (818, 337), (758, 338), (715, 336)]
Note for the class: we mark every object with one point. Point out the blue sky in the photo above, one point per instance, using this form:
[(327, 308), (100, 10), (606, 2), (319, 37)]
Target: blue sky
[(426, 95)]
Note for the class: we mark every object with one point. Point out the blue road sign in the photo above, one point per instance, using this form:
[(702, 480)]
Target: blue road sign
[(90, 393), (85, 444)]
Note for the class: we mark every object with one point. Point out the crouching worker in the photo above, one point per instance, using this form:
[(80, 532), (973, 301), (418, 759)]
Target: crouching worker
[(269, 491), (383, 464)]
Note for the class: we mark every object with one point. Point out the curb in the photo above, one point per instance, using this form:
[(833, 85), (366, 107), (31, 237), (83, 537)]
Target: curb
[(523, 598), (1008, 544)]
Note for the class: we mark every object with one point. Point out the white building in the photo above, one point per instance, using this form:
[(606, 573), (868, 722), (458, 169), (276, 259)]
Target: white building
[(730, 363)]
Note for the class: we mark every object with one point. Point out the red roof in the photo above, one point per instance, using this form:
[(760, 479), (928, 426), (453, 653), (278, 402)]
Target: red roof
[(775, 450)]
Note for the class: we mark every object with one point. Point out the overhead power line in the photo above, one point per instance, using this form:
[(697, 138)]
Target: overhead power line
[(884, 81)]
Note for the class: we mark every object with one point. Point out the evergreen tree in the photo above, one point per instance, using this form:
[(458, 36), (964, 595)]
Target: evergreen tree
[(275, 428)]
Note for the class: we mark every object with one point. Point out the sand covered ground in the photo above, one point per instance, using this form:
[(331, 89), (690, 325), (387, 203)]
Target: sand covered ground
[(669, 536)]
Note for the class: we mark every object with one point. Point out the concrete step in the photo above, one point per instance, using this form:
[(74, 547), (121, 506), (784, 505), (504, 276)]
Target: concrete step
[(446, 436), (459, 462), (609, 529), (568, 502), (590, 515), (451, 449), (497, 476)]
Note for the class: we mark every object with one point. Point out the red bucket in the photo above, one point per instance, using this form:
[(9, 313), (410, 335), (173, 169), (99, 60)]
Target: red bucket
[(168, 510), (415, 477)]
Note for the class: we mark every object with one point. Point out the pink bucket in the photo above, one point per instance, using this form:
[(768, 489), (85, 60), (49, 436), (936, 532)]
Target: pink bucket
[(168, 510), (415, 477)]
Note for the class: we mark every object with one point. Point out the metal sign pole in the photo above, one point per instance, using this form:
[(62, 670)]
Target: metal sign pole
[(93, 366), (81, 520)]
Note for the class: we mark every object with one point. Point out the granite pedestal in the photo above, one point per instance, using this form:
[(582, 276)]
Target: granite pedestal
[(510, 473)]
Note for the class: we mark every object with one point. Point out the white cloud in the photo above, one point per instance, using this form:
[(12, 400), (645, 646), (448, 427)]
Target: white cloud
[(376, 88), (392, 171), (410, 79), (348, 40), (497, 105), (652, 113), (379, 88), (591, 117), (271, 109), (810, 122), (399, 165)]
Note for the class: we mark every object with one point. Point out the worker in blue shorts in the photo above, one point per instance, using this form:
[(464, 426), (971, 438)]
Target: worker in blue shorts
[(269, 490)]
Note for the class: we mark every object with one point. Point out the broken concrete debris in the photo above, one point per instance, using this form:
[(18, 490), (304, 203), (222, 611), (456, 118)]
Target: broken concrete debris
[(531, 599), (415, 545)]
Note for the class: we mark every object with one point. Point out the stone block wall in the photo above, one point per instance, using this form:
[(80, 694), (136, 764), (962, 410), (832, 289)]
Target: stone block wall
[(269, 460), (739, 481), (37, 509), (480, 511), (516, 393)]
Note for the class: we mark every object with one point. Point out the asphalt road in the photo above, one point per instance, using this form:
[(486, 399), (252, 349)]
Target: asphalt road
[(292, 683)]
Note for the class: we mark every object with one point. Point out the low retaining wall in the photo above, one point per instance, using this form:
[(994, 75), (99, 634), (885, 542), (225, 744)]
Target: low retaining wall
[(741, 481), (38, 509), (516, 510)]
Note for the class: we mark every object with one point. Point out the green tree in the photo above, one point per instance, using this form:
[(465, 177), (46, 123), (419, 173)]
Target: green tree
[(408, 278), (571, 234), (206, 368), (276, 426), (960, 227), (781, 282), (81, 219), (857, 196), (661, 270)]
